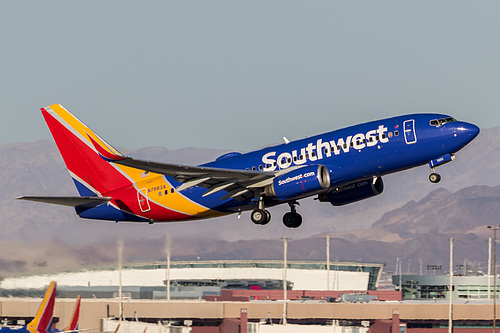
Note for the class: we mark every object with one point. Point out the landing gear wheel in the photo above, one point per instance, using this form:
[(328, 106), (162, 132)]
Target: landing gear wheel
[(292, 220), (434, 177), (260, 216)]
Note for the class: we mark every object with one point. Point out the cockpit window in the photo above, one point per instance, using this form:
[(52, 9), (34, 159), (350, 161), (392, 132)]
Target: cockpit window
[(442, 121)]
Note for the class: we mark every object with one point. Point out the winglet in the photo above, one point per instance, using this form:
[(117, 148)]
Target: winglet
[(44, 314), (73, 323)]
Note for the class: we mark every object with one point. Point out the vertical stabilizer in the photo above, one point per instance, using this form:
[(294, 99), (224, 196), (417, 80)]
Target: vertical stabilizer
[(73, 323), (93, 176), (43, 316)]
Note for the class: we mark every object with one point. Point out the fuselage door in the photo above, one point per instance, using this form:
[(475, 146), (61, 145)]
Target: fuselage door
[(142, 197), (409, 128)]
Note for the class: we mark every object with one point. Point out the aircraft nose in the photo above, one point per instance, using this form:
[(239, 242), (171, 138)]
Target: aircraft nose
[(467, 131)]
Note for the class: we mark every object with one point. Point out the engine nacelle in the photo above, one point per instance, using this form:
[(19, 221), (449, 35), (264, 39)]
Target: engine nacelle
[(353, 192), (294, 183)]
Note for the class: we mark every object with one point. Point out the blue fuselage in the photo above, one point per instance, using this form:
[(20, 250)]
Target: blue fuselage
[(352, 154)]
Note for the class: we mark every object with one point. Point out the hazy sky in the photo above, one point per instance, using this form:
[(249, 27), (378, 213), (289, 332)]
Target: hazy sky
[(240, 75)]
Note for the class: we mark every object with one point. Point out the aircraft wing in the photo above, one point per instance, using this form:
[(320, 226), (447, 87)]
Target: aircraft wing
[(237, 183)]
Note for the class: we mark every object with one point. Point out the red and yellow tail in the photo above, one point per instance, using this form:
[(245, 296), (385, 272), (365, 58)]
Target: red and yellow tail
[(43, 316), (110, 191), (92, 175), (73, 323)]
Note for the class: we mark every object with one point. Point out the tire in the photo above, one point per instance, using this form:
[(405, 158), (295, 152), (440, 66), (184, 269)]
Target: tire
[(434, 178), (260, 216), (292, 220)]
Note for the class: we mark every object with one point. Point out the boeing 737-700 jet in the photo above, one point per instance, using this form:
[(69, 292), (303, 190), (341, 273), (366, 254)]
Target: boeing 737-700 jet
[(339, 167)]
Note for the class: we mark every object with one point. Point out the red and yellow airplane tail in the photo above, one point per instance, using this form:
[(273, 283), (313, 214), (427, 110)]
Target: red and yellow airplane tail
[(92, 175), (43, 316), (108, 191), (73, 323)]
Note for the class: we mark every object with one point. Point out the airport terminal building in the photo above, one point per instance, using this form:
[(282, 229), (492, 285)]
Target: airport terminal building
[(438, 286), (194, 278)]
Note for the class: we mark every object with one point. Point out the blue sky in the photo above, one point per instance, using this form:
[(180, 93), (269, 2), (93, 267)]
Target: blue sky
[(240, 75)]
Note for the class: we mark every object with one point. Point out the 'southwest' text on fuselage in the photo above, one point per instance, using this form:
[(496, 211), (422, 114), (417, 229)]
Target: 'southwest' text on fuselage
[(314, 152)]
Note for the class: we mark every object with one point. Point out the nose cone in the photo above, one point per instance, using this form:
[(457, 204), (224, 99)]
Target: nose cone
[(469, 130), (466, 132)]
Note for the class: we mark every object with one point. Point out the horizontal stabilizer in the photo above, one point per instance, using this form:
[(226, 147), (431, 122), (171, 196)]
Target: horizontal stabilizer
[(69, 201)]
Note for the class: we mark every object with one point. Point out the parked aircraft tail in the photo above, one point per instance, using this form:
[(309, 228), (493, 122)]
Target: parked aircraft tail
[(43, 316), (73, 323)]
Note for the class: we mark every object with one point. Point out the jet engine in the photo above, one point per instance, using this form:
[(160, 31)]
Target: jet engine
[(296, 182), (353, 192)]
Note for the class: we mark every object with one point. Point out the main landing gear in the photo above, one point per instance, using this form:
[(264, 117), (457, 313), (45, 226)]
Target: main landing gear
[(291, 220), (260, 215)]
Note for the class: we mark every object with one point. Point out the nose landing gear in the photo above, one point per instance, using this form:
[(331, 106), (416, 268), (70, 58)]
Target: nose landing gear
[(435, 177)]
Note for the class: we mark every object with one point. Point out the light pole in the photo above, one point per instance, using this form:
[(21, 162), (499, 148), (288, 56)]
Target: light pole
[(168, 251), (398, 267), (489, 268), (285, 264), (450, 310), (327, 262), (120, 259), (494, 228)]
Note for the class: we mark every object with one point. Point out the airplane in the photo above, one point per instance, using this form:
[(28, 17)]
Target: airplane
[(73, 322), (338, 167), (43, 318)]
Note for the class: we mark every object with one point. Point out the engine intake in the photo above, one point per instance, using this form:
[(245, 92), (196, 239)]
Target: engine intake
[(353, 192), (294, 183)]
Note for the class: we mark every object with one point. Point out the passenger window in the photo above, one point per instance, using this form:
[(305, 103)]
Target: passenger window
[(396, 133), (390, 134), (166, 192), (253, 168), (260, 167)]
